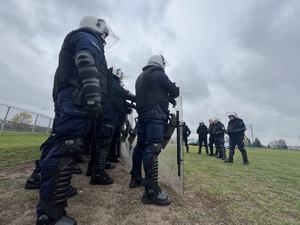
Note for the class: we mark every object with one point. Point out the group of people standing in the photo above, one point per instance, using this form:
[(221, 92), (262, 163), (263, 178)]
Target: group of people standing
[(216, 130), (91, 105)]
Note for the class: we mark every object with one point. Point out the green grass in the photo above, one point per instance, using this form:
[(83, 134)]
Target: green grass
[(265, 192), (16, 148)]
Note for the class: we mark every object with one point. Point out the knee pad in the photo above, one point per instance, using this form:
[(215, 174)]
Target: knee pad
[(155, 148), (74, 147)]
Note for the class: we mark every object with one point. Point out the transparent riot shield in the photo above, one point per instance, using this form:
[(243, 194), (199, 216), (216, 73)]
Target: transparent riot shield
[(127, 143), (171, 157)]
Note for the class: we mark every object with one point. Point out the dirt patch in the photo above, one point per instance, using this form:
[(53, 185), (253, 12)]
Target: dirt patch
[(102, 205)]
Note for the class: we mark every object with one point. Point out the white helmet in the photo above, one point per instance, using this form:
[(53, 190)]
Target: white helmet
[(118, 73), (232, 114), (100, 26), (157, 60), (216, 119)]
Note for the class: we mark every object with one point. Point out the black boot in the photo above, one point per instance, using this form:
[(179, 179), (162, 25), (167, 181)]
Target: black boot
[(156, 198), (33, 182), (89, 172), (101, 178), (199, 151), (65, 220), (76, 169), (230, 158), (224, 154), (153, 194), (245, 157), (72, 191), (109, 166), (136, 182)]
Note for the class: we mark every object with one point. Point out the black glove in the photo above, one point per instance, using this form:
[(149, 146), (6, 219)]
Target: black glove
[(130, 96), (173, 102), (93, 108)]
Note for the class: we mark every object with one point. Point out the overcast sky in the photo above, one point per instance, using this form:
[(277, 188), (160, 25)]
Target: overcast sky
[(232, 55)]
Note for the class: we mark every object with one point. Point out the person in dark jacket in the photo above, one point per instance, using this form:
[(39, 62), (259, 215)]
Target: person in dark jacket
[(236, 131), (211, 138), (185, 134), (202, 132), (80, 94), (154, 90), (218, 132), (119, 99)]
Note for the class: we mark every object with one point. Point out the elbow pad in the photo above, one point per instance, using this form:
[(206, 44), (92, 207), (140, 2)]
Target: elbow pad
[(88, 76)]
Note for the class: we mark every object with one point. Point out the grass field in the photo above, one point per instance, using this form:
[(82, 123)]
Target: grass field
[(265, 192), (16, 148)]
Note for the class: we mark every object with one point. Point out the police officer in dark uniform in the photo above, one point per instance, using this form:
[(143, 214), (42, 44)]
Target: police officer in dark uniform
[(80, 92), (218, 132), (185, 134), (122, 107), (236, 132), (211, 137), (153, 93), (202, 137)]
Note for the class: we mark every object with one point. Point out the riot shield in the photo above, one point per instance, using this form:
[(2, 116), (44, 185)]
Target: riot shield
[(171, 158), (126, 149)]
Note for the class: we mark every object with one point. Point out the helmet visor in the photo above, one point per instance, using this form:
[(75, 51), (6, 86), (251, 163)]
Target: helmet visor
[(111, 38)]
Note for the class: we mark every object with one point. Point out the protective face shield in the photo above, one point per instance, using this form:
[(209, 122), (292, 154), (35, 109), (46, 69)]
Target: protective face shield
[(157, 60), (118, 73), (101, 27)]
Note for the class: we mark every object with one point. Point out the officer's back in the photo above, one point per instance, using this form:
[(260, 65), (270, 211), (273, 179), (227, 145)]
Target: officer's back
[(202, 130), (153, 91), (236, 128)]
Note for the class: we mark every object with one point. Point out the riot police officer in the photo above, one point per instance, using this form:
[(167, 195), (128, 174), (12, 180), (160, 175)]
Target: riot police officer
[(153, 93), (218, 132), (211, 137), (236, 132), (185, 134), (122, 107), (80, 93), (202, 137)]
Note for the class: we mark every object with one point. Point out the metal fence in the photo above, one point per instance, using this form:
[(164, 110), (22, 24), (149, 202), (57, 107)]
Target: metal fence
[(13, 118)]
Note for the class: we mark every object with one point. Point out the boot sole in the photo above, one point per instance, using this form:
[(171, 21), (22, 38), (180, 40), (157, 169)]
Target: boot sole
[(98, 183), (150, 202)]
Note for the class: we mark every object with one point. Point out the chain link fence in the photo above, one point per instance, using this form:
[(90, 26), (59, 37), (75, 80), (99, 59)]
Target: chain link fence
[(13, 118)]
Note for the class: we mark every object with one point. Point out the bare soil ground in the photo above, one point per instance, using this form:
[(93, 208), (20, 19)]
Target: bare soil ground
[(102, 205)]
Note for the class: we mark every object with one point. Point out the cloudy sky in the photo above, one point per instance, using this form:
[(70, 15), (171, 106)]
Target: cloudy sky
[(232, 55)]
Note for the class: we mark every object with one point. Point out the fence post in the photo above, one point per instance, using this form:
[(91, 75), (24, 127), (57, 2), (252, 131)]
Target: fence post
[(5, 118), (34, 125), (50, 120)]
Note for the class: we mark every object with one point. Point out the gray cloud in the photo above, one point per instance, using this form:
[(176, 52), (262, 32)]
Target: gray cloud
[(233, 56)]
